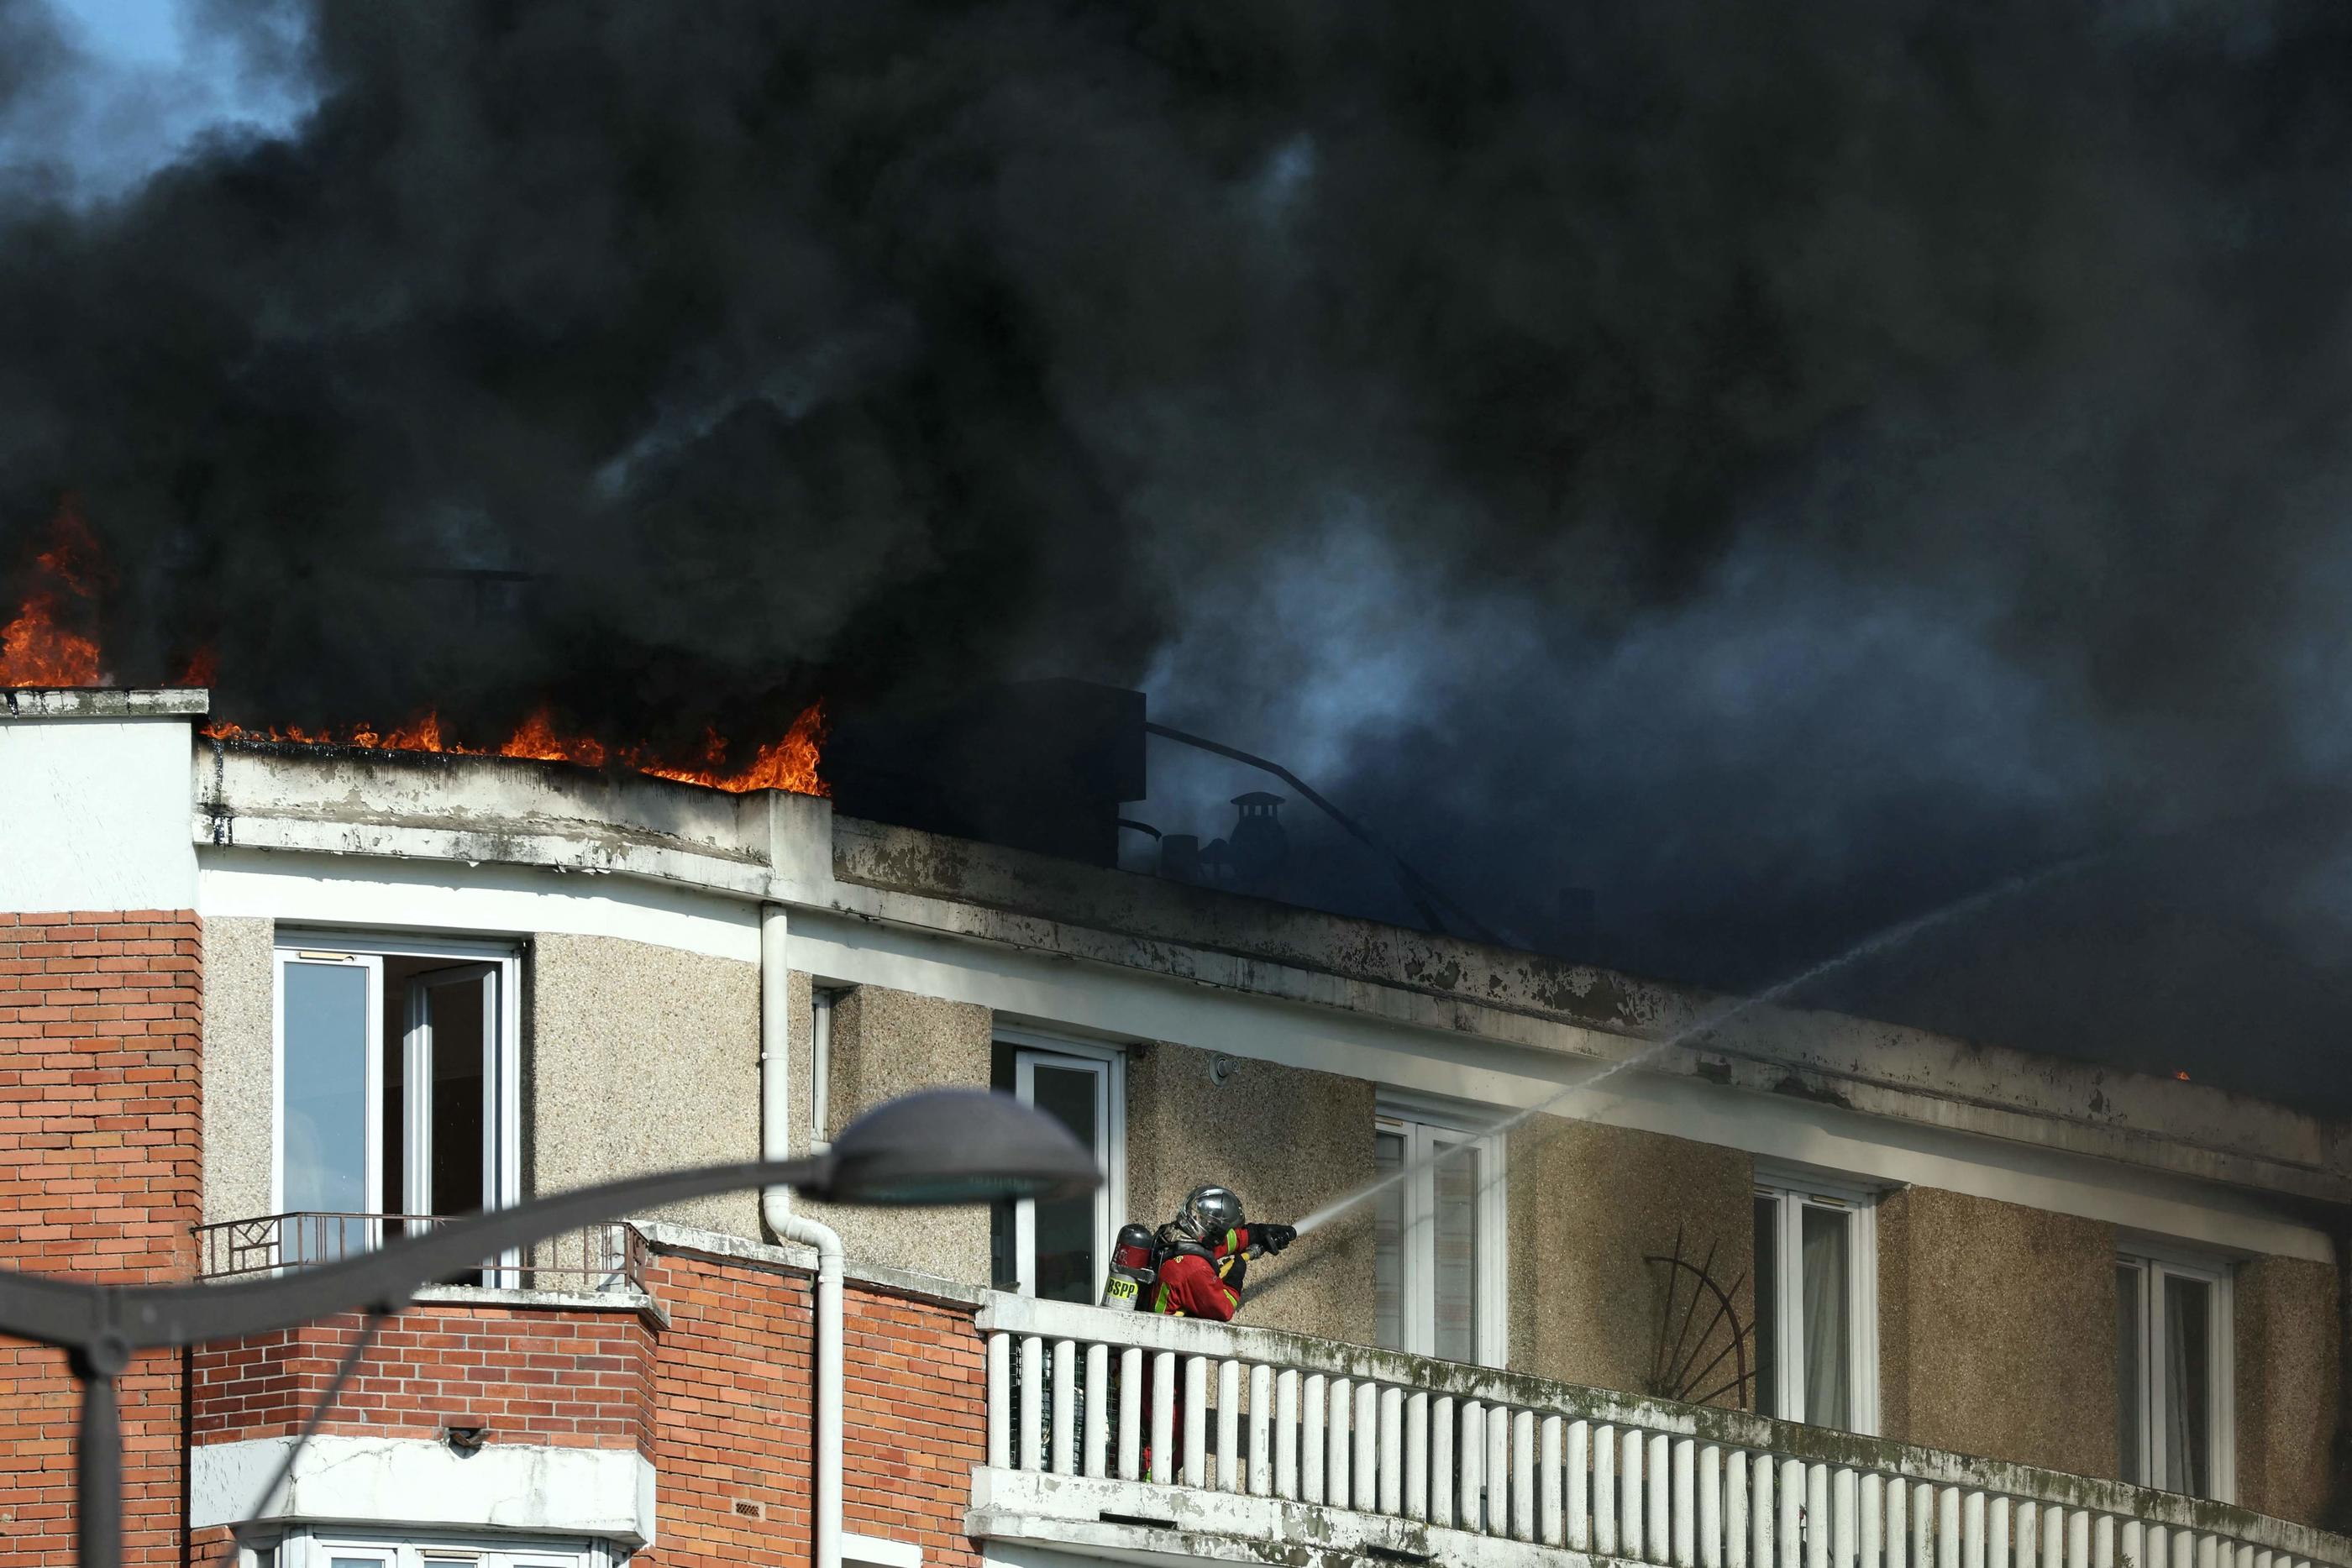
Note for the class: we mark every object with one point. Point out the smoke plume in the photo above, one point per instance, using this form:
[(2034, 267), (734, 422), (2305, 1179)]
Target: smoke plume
[(1773, 467)]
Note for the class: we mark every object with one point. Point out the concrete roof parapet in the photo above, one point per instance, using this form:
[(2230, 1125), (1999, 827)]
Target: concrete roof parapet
[(800, 847), (1444, 981), (794, 848), (764, 844), (109, 702)]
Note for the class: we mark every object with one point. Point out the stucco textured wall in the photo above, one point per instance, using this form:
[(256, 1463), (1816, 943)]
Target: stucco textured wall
[(239, 985), (1289, 1140), (1588, 1204), (886, 1043), (641, 1059), (1997, 1330), (2288, 1370)]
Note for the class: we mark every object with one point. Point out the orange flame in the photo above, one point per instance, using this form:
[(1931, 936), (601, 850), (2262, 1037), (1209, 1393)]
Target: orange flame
[(787, 763), (200, 669), (538, 739), (36, 649)]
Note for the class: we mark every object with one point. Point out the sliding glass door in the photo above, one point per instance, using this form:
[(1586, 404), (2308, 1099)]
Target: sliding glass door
[(396, 1077)]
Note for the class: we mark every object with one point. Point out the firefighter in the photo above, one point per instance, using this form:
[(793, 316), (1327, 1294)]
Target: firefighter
[(1202, 1258), (1204, 1255)]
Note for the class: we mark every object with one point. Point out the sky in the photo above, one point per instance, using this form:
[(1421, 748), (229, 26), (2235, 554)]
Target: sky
[(145, 80)]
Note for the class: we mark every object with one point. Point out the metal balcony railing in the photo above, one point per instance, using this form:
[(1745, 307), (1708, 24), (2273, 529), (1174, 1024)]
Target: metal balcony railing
[(1096, 1416), (594, 1259)]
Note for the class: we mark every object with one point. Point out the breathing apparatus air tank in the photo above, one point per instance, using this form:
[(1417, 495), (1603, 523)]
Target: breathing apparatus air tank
[(1133, 1260)]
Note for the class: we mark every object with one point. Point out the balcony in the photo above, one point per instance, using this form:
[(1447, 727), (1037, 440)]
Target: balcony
[(1167, 1440), (596, 1259)]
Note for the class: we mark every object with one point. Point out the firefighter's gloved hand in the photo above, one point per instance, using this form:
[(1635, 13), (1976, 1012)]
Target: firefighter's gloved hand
[(1273, 1238)]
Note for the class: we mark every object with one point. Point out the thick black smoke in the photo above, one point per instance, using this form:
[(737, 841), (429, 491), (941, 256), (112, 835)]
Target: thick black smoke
[(1776, 468)]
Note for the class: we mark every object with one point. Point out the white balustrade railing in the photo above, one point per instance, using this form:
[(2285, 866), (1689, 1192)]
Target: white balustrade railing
[(1075, 1391)]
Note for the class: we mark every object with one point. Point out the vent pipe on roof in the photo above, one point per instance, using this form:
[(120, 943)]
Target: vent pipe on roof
[(776, 1208)]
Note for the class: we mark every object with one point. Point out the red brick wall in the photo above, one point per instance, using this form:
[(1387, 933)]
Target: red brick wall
[(916, 1380), (101, 1019), (732, 1394), (561, 1378), (733, 1404)]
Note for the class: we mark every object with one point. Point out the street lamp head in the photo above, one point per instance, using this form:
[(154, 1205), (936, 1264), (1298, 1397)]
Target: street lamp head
[(952, 1147)]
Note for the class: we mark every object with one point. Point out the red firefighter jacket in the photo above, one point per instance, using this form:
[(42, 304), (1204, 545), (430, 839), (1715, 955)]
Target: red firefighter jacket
[(1198, 1281), (1204, 1280)]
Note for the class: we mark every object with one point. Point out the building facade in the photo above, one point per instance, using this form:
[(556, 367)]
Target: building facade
[(1597, 1267)]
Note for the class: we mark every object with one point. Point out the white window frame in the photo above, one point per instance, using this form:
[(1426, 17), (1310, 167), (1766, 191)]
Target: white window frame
[(416, 1079), (503, 962), (1794, 1190), (2154, 1259), (1423, 1125), (319, 1546), (1108, 1063), (288, 956)]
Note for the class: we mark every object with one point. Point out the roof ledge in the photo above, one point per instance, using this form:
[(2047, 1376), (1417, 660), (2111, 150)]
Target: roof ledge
[(103, 702)]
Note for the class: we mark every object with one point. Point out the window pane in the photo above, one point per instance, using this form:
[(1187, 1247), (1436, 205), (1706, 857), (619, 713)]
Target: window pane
[(1767, 1306), (455, 1010), (1827, 1343), (2188, 1388), (1004, 1268), (326, 1088), (1388, 1245), (1065, 1227), (392, 1096), (1455, 1275), (2131, 1377)]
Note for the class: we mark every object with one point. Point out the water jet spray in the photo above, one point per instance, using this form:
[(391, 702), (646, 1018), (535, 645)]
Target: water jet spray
[(1892, 936)]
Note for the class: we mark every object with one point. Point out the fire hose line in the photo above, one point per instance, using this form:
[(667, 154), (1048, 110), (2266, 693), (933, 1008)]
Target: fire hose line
[(1892, 936)]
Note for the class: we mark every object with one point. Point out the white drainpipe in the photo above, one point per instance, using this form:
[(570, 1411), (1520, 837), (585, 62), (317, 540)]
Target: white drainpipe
[(776, 1208)]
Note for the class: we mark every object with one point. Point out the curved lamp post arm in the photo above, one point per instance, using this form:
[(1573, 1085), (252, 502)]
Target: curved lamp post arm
[(936, 1146), (74, 1316), (99, 1327)]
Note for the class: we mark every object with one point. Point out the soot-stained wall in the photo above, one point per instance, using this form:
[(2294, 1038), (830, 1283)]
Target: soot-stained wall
[(1997, 1330), (2288, 1369), (1589, 1205)]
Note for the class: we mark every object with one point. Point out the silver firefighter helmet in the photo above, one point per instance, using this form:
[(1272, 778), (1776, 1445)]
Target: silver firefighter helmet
[(1209, 1211)]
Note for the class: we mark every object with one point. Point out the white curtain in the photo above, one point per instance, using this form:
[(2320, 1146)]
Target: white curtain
[(2187, 1306), (1768, 1305), (1388, 1245), (1455, 1286), (1828, 1353), (2131, 1375)]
